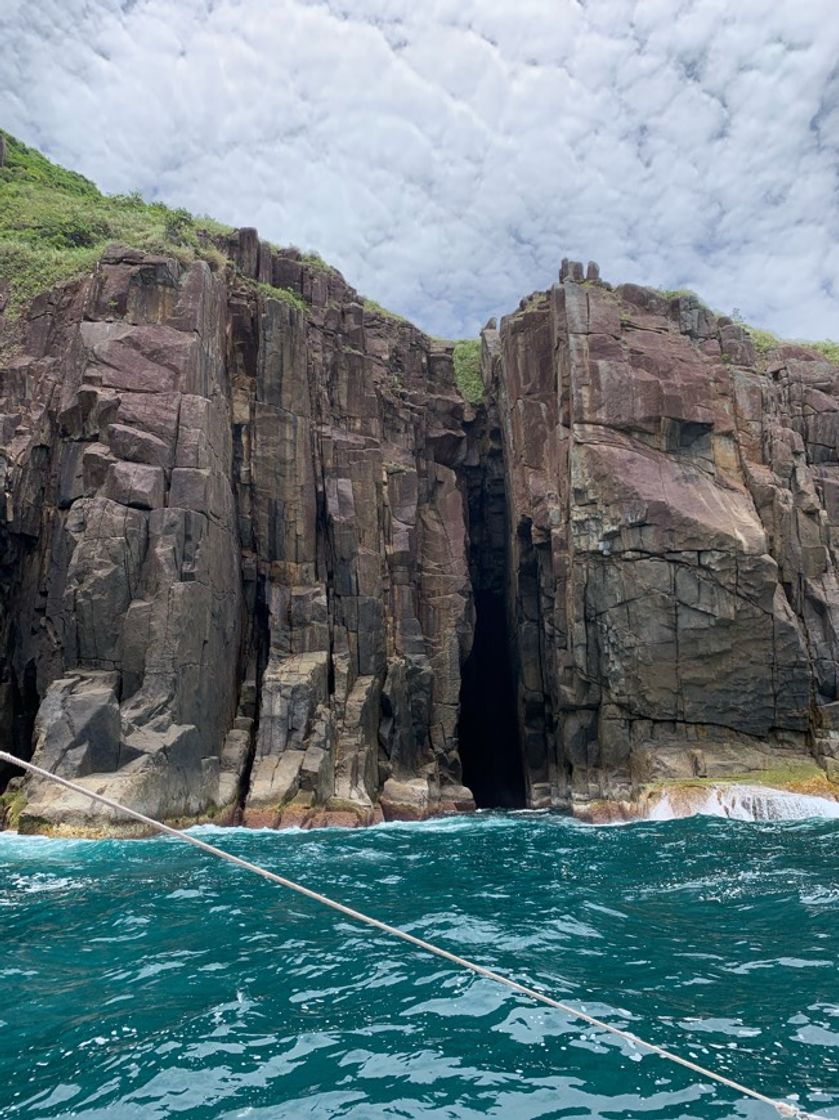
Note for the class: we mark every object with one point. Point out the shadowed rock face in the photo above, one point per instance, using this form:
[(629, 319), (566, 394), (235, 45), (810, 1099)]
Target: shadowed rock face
[(236, 546), (244, 544)]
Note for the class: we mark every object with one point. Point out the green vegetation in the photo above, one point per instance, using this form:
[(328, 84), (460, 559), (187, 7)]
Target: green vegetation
[(765, 341), (680, 293), (377, 309), (315, 260), (828, 347), (285, 294), (12, 804), (533, 302), (467, 368), (54, 224)]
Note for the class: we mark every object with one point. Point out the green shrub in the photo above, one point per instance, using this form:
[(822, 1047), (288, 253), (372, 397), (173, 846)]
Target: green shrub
[(828, 347), (316, 261), (680, 293), (285, 294), (467, 368), (377, 309), (763, 341)]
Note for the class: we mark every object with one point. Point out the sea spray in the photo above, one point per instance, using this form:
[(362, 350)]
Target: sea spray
[(740, 803)]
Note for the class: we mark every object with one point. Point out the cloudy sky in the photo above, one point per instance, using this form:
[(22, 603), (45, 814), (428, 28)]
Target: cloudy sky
[(446, 154)]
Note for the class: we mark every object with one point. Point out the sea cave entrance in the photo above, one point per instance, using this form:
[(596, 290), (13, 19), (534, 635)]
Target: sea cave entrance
[(488, 730), (17, 716)]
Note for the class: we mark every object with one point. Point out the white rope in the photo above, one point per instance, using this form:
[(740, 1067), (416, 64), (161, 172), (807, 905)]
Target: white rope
[(782, 1107)]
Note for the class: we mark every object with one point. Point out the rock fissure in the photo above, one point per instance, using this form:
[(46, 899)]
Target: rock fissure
[(489, 741)]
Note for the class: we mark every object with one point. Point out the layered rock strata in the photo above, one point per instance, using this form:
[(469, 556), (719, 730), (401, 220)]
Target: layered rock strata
[(263, 562)]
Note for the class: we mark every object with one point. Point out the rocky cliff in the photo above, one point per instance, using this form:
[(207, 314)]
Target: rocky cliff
[(264, 563), (673, 510)]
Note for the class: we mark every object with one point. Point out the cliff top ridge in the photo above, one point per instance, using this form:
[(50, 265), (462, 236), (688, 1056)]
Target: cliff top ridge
[(55, 224)]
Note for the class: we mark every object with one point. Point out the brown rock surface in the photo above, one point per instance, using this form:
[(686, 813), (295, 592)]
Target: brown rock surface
[(235, 544), (673, 530), (245, 545)]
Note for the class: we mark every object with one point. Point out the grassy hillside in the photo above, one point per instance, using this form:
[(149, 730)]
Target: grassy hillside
[(54, 224)]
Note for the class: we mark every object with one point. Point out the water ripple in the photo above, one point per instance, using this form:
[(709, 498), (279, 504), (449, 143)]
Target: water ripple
[(142, 981)]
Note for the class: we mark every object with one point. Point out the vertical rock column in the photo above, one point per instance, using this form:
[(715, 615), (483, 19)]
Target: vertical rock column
[(357, 526), (295, 737), (141, 561), (523, 378)]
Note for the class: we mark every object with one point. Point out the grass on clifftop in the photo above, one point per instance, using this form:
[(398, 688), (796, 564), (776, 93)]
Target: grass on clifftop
[(54, 225), (680, 293), (467, 369), (376, 309), (764, 341)]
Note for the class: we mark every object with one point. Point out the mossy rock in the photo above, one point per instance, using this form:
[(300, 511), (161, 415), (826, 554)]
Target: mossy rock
[(12, 805)]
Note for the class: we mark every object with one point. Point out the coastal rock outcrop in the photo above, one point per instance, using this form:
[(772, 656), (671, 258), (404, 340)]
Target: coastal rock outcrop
[(264, 563), (236, 545), (673, 531)]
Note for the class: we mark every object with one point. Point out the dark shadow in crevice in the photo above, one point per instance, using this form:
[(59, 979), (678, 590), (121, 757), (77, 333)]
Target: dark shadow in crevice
[(262, 642), (488, 735), (24, 703)]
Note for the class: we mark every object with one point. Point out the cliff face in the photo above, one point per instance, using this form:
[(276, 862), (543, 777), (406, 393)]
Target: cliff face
[(262, 560), (235, 545), (673, 514)]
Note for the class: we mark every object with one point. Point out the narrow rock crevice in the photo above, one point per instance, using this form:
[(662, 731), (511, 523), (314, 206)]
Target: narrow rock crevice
[(24, 701), (262, 642), (488, 730)]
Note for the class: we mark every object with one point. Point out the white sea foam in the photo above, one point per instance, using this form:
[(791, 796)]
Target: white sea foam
[(741, 803)]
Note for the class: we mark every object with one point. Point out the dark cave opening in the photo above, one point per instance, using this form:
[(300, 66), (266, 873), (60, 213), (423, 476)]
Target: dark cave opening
[(20, 721), (488, 730), (257, 655)]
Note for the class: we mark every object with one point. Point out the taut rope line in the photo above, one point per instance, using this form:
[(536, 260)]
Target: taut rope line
[(782, 1107)]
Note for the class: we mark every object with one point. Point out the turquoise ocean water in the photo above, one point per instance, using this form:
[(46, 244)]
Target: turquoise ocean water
[(142, 979)]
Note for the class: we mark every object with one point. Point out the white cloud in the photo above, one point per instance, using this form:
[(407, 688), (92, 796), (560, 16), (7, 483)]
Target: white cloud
[(446, 155)]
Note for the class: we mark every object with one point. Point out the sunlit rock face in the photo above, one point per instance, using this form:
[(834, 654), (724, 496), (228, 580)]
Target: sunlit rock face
[(673, 520), (247, 540)]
